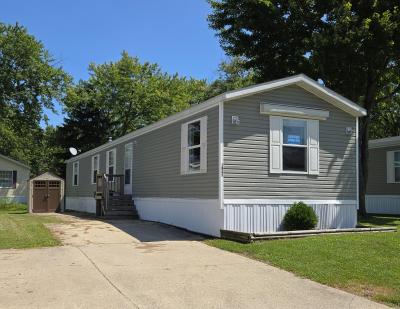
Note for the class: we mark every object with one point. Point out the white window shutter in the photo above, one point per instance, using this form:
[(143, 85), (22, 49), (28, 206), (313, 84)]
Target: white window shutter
[(313, 147), (184, 152), (390, 167), (203, 145), (275, 137)]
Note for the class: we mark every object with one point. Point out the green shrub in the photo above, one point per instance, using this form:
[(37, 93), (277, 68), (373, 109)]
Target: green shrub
[(300, 217)]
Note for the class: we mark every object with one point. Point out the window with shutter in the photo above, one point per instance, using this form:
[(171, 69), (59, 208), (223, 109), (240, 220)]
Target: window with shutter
[(194, 146), (294, 145), (393, 166)]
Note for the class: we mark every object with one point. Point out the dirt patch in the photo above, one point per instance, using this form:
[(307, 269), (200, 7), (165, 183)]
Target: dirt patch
[(369, 291)]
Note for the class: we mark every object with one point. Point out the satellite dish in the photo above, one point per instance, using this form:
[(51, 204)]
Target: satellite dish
[(73, 151)]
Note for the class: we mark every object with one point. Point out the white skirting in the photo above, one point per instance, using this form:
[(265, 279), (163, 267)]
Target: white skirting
[(267, 217), (13, 199), (197, 215), (383, 204), (83, 204)]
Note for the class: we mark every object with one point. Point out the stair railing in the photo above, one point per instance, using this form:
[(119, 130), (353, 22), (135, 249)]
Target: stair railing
[(108, 185)]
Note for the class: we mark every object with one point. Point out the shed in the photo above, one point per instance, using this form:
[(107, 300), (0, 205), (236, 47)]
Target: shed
[(46, 193)]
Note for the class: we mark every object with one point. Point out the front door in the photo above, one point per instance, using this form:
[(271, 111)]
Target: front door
[(128, 158), (46, 195)]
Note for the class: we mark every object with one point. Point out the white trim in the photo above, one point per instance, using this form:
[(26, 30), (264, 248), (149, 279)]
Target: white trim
[(95, 169), (383, 204), (81, 203), (301, 80), (287, 201), (221, 153), (198, 215), (114, 151), (384, 142), (292, 111), (73, 174), (357, 164)]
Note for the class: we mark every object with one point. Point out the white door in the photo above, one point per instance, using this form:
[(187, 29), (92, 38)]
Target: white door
[(128, 156)]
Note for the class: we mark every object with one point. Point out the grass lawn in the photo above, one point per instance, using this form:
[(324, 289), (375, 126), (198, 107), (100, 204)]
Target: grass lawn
[(366, 264), (19, 229)]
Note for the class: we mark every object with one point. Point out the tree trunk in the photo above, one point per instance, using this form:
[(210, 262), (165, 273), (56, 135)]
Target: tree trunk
[(363, 163)]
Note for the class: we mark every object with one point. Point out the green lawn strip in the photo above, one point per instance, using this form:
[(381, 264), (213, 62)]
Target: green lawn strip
[(367, 264), (19, 229)]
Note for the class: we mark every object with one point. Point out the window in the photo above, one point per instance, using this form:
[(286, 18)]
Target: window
[(294, 150), (393, 166), (95, 167), (110, 163), (128, 163), (294, 145), (8, 179), (75, 173), (194, 146), (397, 166)]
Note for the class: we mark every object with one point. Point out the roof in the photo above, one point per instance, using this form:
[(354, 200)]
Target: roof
[(15, 162), (300, 80), (46, 176), (384, 142)]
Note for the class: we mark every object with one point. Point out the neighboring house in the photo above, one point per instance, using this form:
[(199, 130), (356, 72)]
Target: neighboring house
[(237, 161), (383, 188), (13, 180)]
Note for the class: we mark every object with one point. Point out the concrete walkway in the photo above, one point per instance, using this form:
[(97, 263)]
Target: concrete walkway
[(134, 264)]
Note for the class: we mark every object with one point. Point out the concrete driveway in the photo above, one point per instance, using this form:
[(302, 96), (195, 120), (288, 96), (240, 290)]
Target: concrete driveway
[(134, 264)]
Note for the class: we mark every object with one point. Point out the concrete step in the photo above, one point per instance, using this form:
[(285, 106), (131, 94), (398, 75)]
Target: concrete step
[(120, 214)]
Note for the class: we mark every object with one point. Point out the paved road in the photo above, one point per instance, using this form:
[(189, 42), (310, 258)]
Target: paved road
[(133, 264)]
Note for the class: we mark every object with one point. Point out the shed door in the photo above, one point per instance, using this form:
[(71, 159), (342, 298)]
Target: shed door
[(46, 195), (53, 195), (39, 196)]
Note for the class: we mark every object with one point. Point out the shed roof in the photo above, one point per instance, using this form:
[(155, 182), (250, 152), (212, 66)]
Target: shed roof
[(47, 176)]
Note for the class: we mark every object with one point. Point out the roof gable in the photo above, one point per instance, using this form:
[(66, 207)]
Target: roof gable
[(300, 80), (384, 142), (15, 161), (307, 84)]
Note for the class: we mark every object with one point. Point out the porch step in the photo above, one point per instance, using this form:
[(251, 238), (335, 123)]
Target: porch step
[(122, 213)]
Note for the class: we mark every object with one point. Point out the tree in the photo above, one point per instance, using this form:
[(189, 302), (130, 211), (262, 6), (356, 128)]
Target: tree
[(123, 96), (30, 81), (231, 75), (353, 46)]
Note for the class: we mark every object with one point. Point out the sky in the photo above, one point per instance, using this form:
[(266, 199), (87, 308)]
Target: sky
[(172, 33)]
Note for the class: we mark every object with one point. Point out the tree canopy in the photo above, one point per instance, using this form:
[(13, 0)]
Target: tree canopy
[(30, 81), (353, 46)]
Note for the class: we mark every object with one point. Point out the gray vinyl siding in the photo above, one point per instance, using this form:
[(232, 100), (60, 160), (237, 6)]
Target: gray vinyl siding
[(246, 148), (377, 175), (156, 165)]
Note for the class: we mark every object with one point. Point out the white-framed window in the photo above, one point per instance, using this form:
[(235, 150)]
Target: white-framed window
[(110, 161), (128, 156), (75, 173), (393, 166), (194, 146), (95, 167), (294, 145), (8, 179)]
